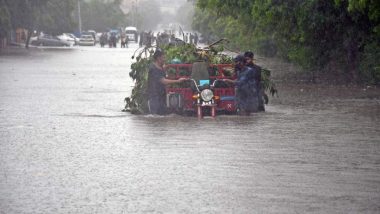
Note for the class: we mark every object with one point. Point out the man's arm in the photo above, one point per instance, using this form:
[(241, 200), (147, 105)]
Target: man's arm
[(169, 81)]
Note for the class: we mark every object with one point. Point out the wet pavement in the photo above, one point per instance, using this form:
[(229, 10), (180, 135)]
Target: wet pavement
[(66, 147)]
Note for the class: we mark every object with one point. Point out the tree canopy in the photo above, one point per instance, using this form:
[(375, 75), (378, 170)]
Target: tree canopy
[(319, 35), (100, 15), (51, 16), (57, 16), (5, 22), (145, 15)]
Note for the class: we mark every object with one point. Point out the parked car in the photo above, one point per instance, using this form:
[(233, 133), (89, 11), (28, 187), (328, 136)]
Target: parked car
[(76, 39), (33, 40), (68, 38), (90, 32), (49, 40), (87, 40)]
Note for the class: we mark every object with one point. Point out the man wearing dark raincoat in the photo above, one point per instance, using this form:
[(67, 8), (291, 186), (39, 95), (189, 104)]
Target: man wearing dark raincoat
[(260, 88), (246, 87)]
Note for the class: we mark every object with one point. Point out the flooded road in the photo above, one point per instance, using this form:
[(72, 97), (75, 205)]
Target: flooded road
[(66, 147)]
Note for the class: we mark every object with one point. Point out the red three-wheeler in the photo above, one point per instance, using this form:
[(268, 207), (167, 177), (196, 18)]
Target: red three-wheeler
[(205, 94)]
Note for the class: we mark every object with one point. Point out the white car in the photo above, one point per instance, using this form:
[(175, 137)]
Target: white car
[(76, 39), (67, 38), (87, 40)]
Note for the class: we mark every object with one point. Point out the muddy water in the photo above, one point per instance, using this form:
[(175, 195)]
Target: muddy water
[(65, 146)]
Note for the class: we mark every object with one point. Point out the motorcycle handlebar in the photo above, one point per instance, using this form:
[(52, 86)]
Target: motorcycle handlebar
[(197, 86), (195, 83)]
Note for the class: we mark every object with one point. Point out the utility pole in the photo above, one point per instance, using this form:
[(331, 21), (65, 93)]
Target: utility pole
[(133, 13), (79, 19)]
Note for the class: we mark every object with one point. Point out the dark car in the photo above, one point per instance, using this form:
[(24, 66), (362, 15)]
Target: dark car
[(49, 40)]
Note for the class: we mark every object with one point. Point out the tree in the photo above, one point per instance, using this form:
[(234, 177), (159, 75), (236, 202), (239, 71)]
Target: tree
[(51, 16), (147, 14), (102, 15), (5, 22), (185, 14), (312, 33)]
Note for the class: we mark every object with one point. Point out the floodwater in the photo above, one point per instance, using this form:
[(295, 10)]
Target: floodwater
[(66, 147)]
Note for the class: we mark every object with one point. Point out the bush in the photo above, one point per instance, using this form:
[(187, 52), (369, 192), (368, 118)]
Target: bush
[(369, 66)]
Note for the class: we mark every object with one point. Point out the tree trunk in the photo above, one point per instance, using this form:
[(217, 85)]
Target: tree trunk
[(1, 43), (28, 39), (352, 60)]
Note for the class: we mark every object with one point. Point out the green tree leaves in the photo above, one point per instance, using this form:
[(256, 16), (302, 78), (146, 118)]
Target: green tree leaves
[(102, 15), (5, 22), (148, 15), (51, 16), (310, 33)]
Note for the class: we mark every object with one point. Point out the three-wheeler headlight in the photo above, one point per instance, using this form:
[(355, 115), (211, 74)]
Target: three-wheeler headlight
[(207, 95)]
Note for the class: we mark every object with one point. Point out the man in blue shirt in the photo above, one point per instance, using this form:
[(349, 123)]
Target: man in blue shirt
[(157, 82)]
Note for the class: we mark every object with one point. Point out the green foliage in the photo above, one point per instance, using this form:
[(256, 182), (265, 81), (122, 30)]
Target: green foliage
[(310, 33), (221, 59), (5, 22), (145, 16), (57, 16), (203, 23), (102, 15), (50, 16), (370, 64), (186, 53), (137, 102), (186, 14)]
